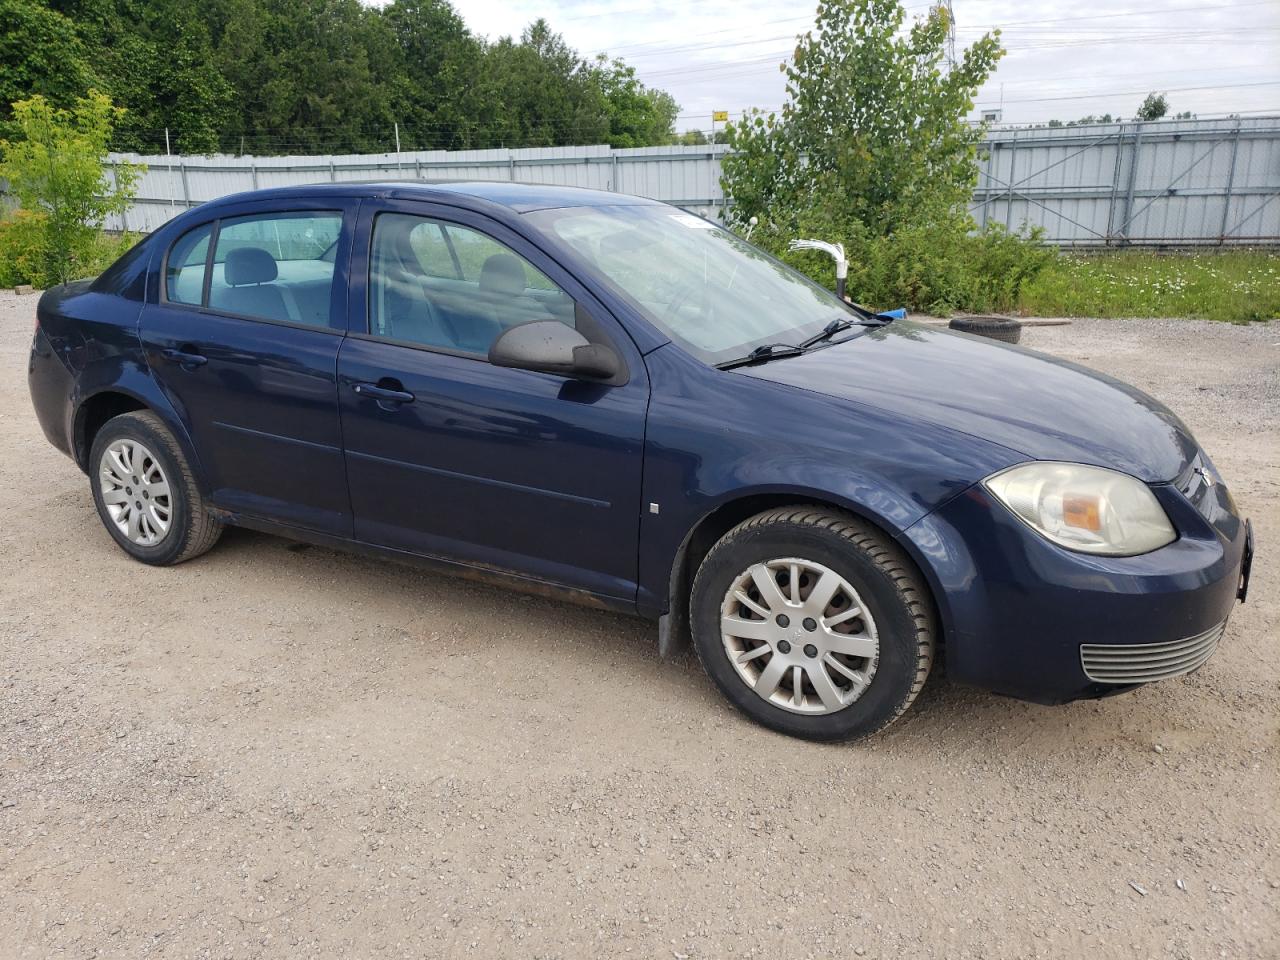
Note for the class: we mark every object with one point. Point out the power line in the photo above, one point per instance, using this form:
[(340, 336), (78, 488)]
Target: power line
[(1134, 13), (678, 46), (1176, 37), (1129, 93)]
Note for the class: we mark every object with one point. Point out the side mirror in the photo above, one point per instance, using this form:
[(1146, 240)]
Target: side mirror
[(550, 346)]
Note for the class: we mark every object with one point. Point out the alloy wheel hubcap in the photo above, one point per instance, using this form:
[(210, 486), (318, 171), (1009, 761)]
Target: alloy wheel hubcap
[(799, 635), (135, 492)]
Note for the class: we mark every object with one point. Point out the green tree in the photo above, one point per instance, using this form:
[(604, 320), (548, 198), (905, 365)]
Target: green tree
[(309, 76), (437, 63), (1155, 106), (58, 173), (156, 59), (40, 53), (319, 76), (539, 92), (1091, 118), (872, 124), (638, 116), (872, 149)]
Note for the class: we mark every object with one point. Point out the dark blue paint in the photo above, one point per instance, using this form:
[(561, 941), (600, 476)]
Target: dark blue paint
[(716, 436), (549, 481), (262, 412), (520, 471), (1017, 607), (1045, 408)]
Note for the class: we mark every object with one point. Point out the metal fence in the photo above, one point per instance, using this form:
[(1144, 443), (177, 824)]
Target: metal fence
[(1164, 183), (686, 176)]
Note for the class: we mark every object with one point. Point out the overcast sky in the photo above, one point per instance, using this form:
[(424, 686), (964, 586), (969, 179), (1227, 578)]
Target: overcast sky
[(1103, 58)]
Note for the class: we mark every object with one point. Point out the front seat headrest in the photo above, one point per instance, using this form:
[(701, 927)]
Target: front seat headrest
[(249, 265), (502, 274)]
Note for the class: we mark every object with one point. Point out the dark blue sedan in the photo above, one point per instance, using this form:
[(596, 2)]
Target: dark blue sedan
[(612, 400)]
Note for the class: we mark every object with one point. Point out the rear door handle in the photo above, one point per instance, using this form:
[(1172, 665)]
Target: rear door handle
[(382, 394), (184, 358)]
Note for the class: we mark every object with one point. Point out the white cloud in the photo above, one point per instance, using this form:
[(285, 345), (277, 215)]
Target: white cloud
[(717, 54)]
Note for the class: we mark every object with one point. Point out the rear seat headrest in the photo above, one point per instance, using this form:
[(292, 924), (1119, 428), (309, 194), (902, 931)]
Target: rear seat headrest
[(246, 265)]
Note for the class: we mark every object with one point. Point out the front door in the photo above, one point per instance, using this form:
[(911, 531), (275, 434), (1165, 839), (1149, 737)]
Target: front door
[(244, 340), (450, 456)]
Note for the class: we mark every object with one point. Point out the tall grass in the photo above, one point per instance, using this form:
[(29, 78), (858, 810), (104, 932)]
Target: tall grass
[(1234, 285)]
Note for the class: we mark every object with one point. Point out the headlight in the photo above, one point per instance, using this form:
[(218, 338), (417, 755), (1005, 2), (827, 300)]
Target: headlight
[(1085, 508)]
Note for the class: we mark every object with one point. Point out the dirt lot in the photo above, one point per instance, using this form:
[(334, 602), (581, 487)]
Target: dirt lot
[(280, 751)]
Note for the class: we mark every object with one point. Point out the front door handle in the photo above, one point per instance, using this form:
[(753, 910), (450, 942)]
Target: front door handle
[(382, 394), (188, 360)]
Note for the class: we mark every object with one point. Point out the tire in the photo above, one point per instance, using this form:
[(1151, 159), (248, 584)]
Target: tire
[(1004, 329), (189, 529), (876, 576)]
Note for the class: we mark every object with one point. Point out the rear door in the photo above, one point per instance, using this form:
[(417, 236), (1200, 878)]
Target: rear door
[(453, 457), (244, 340)]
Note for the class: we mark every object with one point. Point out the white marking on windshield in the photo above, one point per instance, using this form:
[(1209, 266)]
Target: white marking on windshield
[(692, 222)]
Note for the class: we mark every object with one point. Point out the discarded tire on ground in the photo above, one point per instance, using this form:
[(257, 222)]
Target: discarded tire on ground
[(1005, 329)]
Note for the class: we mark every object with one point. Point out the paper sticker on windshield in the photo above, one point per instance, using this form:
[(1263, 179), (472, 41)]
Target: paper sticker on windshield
[(689, 220)]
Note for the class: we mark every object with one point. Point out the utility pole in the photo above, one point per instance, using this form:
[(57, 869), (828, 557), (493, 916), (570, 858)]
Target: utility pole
[(173, 200), (943, 8)]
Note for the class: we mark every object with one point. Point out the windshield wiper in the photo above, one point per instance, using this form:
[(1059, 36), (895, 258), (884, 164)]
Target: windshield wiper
[(827, 332), (840, 324), (762, 354)]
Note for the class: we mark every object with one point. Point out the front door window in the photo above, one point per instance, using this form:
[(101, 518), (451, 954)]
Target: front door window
[(447, 287)]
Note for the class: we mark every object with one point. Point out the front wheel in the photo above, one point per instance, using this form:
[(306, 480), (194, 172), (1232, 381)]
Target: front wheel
[(145, 494), (813, 623)]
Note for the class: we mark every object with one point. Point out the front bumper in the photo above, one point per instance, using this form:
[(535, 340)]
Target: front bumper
[(1019, 612)]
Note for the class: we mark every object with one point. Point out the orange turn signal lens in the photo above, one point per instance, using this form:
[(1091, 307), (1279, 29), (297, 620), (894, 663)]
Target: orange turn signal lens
[(1081, 511)]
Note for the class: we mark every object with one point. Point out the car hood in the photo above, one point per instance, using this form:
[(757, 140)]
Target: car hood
[(1039, 406)]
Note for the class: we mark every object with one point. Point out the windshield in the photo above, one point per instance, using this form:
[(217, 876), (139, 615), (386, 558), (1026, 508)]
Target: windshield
[(710, 291)]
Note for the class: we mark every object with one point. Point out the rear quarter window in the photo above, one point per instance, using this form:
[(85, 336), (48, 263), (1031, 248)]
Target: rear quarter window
[(185, 265)]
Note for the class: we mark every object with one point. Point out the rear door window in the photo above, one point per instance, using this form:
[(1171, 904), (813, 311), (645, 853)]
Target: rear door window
[(276, 266)]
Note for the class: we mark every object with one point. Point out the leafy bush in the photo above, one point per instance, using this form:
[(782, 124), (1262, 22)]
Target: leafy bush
[(938, 267), (23, 238), (23, 235), (872, 150), (58, 174)]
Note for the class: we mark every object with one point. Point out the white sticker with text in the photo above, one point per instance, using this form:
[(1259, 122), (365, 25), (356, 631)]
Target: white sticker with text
[(692, 222)]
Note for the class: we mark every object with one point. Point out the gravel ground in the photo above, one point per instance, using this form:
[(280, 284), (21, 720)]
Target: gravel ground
[(284, 751)]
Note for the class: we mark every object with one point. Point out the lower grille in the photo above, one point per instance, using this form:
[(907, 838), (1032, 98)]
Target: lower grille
[(1145, 662)]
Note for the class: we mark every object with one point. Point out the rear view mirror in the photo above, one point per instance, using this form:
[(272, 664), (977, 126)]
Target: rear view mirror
[(550, 346)]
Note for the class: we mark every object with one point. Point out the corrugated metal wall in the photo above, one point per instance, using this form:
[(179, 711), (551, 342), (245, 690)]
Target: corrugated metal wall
[(688, 176), (1167, 182), (1162, 183)]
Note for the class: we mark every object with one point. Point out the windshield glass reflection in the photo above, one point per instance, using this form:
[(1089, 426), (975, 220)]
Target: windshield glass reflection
[(710, 291)]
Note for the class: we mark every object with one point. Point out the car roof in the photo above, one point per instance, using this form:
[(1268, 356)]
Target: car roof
[(478, 194)]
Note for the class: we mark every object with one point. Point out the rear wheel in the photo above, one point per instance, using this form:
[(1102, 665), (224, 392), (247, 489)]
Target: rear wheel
[(813, 623), (145, 493)]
